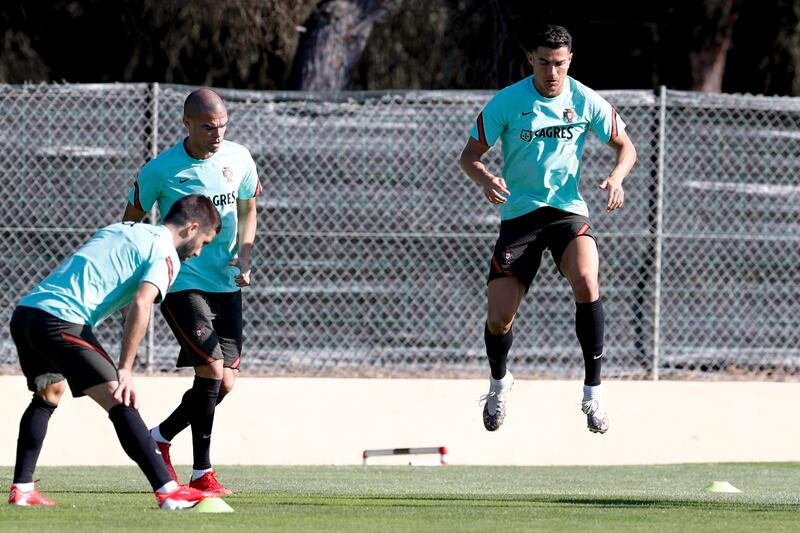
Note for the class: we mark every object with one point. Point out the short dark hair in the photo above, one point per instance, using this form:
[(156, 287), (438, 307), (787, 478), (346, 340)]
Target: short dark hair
[(551, 36), (195, 208)]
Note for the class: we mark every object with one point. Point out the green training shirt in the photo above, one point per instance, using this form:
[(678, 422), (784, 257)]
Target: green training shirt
[(103, 275), (226, 177), (542, 141)]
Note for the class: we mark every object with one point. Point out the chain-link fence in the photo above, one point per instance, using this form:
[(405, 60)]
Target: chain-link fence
[(373, 247)]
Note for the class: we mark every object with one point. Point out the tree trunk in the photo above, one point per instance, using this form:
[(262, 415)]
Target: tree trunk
[(334, 39), (708, 59), (791, 35)]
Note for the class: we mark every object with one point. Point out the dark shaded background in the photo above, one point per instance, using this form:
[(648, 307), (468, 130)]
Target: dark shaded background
[(425, 44)]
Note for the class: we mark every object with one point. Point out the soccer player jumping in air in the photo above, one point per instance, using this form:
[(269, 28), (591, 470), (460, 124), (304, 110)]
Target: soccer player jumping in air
[(542, 122), (121, 264)]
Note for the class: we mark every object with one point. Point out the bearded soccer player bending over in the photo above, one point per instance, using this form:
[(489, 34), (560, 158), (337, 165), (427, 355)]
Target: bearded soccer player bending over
[(125, 263)]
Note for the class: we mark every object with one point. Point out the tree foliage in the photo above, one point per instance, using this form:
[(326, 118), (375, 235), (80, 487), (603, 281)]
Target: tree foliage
[(423, 44)]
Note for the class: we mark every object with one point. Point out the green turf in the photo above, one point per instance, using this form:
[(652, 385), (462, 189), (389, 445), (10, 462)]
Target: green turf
[(451, 498)]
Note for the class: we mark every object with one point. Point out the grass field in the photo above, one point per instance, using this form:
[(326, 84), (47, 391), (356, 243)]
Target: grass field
[(419, 498)]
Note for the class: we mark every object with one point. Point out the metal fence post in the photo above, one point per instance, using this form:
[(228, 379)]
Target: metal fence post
[(658, 231), (153, 153)]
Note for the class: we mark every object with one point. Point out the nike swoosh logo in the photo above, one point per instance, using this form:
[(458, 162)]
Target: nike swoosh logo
[(184, 180), (597, 356), (158, 452), (206, 436), (526, 113)]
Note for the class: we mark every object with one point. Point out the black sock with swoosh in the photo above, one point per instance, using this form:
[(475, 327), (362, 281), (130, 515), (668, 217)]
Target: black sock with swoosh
[(204, 394), (589, 326)]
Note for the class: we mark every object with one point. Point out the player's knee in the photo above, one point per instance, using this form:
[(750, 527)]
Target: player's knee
[(228, 382), (585, 287), (499, 323), (210, 371), (54, 391), (103, 394)]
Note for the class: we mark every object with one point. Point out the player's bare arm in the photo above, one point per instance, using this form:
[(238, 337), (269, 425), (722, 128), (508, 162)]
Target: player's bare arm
[(626, 157), (494, 187), (138, 316), (245, 237), (133, 214)]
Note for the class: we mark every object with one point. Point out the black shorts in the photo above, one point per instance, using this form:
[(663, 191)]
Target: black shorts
[(51, 350), (207, 325), (523, 239)]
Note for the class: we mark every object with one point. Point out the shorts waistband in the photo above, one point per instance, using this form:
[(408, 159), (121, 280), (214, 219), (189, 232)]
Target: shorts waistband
[(538, 215)]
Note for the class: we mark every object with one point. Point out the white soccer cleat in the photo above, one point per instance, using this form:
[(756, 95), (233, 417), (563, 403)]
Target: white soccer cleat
[(494, 407), (596, 416)]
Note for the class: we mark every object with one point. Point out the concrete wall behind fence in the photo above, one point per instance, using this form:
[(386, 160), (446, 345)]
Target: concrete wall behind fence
[(293, 421)]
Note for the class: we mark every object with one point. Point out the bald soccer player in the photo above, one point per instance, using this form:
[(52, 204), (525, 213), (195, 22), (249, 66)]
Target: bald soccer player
[(204, 307)]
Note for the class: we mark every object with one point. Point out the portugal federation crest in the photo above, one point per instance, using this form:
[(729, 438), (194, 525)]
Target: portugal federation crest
[(228, 173), (569, 115)]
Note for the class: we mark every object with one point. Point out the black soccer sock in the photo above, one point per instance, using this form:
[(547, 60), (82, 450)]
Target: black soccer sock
[(589, 326), (497, 347), (178, 420), (32, 430), (201, 415), (138, 444)]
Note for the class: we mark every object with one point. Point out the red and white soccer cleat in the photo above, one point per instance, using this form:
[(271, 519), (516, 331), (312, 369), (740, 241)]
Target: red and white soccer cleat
[(163, 449), (208, 483), (28, 499), (184, 497)]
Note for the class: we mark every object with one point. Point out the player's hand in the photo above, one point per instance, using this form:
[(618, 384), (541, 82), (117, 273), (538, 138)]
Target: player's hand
[(243, 278), (125, 392), (495, 190), (616, 196)]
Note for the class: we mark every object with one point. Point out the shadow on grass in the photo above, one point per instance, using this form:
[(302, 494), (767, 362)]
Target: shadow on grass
[(539, 501)]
